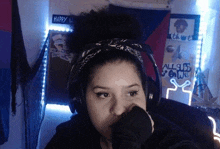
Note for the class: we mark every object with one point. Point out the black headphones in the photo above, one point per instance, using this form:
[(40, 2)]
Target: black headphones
[(153, 89)]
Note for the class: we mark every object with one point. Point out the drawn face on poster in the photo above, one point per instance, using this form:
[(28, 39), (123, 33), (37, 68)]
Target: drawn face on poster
[(184, 27), (180, 25)]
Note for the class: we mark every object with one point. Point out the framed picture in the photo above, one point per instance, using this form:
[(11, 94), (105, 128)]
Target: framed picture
[(184, 27)]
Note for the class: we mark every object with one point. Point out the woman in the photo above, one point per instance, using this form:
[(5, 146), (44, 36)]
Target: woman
[(108, 86)]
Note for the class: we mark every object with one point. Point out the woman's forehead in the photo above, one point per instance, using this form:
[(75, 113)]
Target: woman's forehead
[(115, 70), (113, 64)]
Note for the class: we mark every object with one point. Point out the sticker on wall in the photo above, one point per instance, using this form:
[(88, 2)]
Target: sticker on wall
[(62, 19), (184, 27)]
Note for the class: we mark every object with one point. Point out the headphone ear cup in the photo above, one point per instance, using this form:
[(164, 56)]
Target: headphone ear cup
[(73, 105), (76, 97), (152, 93), (77, 105)]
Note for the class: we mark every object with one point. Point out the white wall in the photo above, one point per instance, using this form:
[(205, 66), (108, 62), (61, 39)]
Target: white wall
[(34, 21), (213, 64), (211, 46), (54, 115)]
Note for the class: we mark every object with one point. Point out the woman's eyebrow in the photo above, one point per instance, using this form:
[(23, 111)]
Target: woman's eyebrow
[(101, 87), (135, 84)]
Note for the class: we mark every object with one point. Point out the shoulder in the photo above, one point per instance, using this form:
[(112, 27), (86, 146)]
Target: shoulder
[(168, 135), (179, 124), (73, 134), (65, 133)]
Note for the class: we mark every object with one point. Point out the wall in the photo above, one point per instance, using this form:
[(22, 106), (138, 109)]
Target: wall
[(218, 50), (54, 115), (210, 50), (213, 65)]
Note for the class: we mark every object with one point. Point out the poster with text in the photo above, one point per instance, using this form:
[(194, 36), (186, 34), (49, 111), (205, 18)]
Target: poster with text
[(178, 69), (180, 57)]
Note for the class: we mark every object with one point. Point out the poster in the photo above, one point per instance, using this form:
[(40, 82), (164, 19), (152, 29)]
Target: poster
[(58, 46), (59, 65), (180, 58)]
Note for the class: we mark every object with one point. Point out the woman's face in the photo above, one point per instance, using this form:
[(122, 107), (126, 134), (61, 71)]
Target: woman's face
[(114, 89)]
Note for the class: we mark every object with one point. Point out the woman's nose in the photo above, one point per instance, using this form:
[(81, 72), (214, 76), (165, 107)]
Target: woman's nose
[(119, 106)]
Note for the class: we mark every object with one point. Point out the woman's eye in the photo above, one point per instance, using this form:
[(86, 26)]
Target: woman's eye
[(102, 95), (133, 93)]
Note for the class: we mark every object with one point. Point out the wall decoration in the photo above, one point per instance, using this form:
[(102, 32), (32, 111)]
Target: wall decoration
[(59, 65), (185, 94), (179, 60), (179, 64), (180, 57), (58, 46), (184, 27)]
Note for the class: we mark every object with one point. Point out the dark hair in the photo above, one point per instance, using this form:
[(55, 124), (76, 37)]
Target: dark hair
[(180, 22), (94, 26)]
